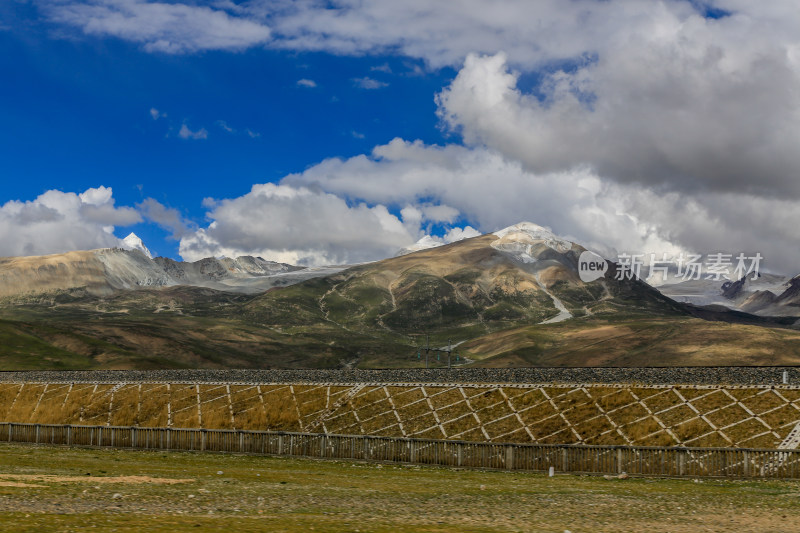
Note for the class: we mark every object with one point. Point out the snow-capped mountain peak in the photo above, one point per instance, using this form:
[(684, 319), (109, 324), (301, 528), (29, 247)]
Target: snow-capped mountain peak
[(133, 242), (526, 227), (520, 237)]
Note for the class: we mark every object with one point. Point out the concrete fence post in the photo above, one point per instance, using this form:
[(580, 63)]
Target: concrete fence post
[(671, 461), (681, 462), (746, 464)]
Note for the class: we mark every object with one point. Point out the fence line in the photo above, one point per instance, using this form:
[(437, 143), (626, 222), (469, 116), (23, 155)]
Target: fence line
[(565, 458)]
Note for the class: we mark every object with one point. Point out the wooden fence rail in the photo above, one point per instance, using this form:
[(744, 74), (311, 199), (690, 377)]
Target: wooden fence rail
[(568, 458)]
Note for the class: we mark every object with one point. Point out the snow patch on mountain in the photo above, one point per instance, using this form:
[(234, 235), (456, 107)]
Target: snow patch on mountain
[(520, 239), (133, 242)]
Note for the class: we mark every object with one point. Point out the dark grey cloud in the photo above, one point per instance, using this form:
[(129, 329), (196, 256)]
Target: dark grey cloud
[(166, 217)]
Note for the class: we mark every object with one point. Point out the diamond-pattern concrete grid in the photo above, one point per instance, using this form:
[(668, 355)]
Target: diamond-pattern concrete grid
[(699, 416)]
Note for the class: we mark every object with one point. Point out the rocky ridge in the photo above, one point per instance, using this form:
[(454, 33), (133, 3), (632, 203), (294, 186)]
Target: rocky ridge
[(106, 271)]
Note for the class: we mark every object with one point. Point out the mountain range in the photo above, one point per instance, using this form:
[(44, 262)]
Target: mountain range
[(511, 298), (106, 271), (765, 294)]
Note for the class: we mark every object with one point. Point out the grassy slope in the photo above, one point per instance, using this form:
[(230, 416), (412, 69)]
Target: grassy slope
[(24, 347), (637, 341), (376, 315), (36, 342), (278, 494), (466, 291), (70, 339), (179, 328)]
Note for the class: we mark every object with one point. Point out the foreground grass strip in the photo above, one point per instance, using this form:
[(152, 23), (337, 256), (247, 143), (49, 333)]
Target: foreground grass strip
[(197, 492)]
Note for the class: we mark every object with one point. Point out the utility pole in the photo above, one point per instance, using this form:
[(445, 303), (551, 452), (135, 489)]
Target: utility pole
[(449, 350)]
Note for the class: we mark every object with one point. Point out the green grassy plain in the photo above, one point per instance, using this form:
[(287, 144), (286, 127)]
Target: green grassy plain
[(38, 339), (68, 489)]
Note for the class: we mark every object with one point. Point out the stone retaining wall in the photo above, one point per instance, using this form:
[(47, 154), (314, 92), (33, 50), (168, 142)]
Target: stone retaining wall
[(644, 376)]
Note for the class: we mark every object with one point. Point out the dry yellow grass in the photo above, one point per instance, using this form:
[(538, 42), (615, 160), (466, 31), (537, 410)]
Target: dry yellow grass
[(183, 406), (121, 412), (552, 414), (51, 403), (152, 408), (280, 411)]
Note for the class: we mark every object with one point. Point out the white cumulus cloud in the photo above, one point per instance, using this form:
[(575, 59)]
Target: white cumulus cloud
[(459, 234), (297, 225), (493, 191), (165, 27), (57, 222)]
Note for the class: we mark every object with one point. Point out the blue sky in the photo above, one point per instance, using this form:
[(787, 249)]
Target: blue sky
[(319, 132), (78, 113)]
